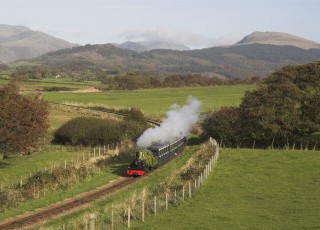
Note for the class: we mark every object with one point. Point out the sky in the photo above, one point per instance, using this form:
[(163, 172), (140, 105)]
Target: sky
[(195, 23)]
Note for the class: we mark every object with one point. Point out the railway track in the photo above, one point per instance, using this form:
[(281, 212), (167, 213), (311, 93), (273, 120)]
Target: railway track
[(72, 204)]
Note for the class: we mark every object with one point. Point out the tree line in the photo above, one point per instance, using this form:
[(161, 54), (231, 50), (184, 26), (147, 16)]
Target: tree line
[(134, 81), (284, 111)]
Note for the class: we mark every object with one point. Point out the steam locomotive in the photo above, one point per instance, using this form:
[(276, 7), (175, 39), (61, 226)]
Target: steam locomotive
[(154, 156)]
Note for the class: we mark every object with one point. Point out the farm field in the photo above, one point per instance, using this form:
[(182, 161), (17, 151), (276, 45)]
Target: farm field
[(157, 101), (40, 84), (252, 189)]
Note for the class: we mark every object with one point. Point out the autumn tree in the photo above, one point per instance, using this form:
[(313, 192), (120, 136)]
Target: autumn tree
[(23, 121)]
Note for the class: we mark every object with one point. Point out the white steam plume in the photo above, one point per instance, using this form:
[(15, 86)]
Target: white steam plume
[(178, 123)]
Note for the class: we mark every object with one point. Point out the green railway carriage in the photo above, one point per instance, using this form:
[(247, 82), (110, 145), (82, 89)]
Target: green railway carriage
[(154, 156)]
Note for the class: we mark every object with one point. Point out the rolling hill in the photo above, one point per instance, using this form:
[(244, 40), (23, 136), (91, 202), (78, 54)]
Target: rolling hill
[(249, 57), (280, 39), (19, 42)]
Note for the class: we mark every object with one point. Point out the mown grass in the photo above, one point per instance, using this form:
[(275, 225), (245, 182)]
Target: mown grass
[(252, 189), (157, 101)]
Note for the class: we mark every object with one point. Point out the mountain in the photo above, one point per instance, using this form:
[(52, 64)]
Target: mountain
[(19, 42), (151, 45), (237, 61), (280, 39)]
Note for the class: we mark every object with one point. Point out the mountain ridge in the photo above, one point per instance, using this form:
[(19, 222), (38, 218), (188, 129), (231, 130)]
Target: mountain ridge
[(278, 38), (20, 42)]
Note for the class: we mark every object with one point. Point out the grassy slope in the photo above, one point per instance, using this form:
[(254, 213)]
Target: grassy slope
[(150, 180), (60, 195), (155, 101), (252, 189)]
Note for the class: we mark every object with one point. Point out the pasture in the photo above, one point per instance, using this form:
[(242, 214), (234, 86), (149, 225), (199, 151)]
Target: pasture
[(252, 189), (157, 101)]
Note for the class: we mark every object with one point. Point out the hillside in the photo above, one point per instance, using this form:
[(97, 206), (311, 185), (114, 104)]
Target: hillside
[(151, 45), (237, 61), (19, 42), (280, 39)]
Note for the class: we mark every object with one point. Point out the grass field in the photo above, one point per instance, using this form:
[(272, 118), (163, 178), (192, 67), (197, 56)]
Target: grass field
[(157, 101), (252, 189), (12, 169), (39, 84), (21, 166), (150, 180)]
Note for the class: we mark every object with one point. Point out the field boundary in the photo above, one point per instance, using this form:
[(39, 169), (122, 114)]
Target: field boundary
[(137, 209)]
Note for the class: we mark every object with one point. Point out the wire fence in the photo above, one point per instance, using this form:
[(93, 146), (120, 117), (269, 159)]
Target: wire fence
[(139, 207), (57, 175)]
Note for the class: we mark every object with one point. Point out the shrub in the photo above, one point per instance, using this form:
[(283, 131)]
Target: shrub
[(96, 131), (23, 121)]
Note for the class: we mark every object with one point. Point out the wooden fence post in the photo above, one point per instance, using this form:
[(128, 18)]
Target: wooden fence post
[(183, 192), (175, 196), (166, 201), (99, 151), (65, 164), (189, 189), (104, 149), (195, 184), (111, 217), (21, 182), (129, 217), (155, 205), (142, 211), (92, 221), (94, 153)]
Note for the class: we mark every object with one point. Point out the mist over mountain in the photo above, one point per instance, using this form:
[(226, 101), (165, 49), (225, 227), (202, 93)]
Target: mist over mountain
[(280, 39), (151, 45), (19, 42)]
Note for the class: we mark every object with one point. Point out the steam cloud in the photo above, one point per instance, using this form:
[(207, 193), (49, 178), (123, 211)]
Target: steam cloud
[(178, 123)]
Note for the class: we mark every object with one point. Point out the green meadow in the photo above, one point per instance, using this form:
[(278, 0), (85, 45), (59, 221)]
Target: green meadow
[(252, 189), (157, 101)]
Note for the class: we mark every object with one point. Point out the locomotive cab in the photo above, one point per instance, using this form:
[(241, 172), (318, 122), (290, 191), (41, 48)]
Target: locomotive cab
[(142, 163)]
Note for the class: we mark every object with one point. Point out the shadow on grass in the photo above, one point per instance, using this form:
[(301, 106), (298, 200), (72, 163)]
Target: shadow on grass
[(119, 169), (194, 141), (4, 164)]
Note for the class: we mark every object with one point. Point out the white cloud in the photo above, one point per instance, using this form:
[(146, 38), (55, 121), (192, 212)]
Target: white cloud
[(189, 39)]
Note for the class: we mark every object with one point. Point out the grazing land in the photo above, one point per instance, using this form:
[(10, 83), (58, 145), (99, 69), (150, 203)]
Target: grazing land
[(252, 189), (157, 101)]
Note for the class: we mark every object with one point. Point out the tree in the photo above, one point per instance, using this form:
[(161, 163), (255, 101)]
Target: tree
[(285, 108), (23, 121), (223, 125), (283, 111)]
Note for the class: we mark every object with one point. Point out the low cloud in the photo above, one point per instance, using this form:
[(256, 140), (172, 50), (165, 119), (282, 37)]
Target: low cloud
[(191, 40)]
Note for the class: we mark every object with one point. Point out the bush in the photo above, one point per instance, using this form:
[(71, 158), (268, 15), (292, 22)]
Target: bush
[(88, 131), (96, 131), (23, 121)]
